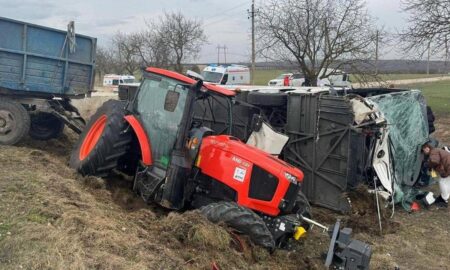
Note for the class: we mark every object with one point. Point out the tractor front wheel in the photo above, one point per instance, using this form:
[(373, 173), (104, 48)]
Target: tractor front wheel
[(103, 142), (241, 219)]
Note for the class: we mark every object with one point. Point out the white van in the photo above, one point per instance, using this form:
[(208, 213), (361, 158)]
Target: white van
[(337, 78), (227, 74), (115, 80)]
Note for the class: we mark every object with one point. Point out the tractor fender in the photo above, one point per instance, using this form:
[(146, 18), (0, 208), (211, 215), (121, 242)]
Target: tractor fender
[(144, 141)]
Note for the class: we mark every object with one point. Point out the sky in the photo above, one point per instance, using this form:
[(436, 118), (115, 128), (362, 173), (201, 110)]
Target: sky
[(225, 23)]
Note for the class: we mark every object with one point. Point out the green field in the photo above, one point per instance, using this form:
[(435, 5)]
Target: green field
[(437, 95), (262, 77)]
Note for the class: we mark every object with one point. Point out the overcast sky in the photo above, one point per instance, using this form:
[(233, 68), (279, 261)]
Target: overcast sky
[(225, 22)]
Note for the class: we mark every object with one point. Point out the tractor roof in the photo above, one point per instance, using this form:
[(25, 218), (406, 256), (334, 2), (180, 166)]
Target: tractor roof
[(185, 79)]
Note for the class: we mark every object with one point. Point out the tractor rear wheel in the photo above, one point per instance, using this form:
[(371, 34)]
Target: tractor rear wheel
[(45, 126), (14, 121), (241, 219), (103, 142)]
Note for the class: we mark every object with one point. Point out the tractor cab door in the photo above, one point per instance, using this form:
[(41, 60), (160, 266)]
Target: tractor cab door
[(160, 105)]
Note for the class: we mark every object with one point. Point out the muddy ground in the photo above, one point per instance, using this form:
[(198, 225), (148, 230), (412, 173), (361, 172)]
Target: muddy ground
[(51, 218)]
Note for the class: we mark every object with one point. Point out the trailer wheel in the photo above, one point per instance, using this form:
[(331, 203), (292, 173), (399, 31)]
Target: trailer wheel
[(14, 122), (241, 219), (103, 142), (267, 99), (45, 126)]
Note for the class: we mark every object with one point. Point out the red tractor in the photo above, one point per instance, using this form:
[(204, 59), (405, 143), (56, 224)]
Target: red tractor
[(180, 163)]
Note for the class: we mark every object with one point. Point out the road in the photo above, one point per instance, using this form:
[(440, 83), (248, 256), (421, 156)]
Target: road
[(402, 82)]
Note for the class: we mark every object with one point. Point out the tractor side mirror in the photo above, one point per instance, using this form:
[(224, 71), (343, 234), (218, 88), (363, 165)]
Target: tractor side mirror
[(197, 86), (171, 101)]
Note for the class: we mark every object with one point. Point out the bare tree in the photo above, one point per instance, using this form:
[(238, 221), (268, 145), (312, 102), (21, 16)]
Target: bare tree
[(182, 35), (151, 49), (127, 54), (317, 35), (429, 26), (107, 61)]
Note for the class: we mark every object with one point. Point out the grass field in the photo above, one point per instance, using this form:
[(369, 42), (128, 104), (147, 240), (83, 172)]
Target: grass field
[(262, 77), (437, 95)]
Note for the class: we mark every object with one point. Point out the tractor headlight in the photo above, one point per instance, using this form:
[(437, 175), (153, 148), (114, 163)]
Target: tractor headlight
[(193, 143), (291, 178)]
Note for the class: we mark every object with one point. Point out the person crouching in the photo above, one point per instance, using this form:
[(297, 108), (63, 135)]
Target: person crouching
[(439, 161)]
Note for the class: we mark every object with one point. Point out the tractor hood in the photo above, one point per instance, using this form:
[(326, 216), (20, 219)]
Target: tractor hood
[(249, 170), (234, 146)]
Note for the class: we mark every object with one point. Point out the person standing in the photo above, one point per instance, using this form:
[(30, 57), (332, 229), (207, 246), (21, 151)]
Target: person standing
[(286, 81), (439, 161)]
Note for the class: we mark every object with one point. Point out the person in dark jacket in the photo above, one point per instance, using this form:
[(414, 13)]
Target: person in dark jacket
[(439, 161)]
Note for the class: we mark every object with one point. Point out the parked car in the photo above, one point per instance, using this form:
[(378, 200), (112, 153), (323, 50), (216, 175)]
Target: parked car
[(295, 79), (336, 78)]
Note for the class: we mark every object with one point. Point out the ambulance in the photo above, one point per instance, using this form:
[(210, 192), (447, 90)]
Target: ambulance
[(226, 74), (113, 80)]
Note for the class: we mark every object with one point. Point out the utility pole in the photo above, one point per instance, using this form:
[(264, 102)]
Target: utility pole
[(218, 54), (428, 60), (252, 16), (446, 56), (376, 52), (225, 53)]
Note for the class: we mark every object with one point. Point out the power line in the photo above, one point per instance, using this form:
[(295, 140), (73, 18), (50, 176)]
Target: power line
[(226, 11), (219, 48)]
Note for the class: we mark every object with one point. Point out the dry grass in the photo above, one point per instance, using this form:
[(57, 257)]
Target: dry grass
[(51, 218)]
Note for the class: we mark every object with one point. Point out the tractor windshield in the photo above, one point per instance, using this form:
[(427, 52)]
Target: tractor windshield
[(161, 123)]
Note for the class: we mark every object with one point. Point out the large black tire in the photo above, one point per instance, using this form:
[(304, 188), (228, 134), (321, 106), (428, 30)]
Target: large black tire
[(45, 126), (267, 99), (302, 207), (100, 156), (14, 121), (241, 219)]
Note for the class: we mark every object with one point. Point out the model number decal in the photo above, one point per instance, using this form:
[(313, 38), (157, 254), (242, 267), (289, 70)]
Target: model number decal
[(240, 161), (239, 174)]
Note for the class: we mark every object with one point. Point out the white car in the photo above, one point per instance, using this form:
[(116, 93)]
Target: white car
[(336, 78), (295, 79)]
